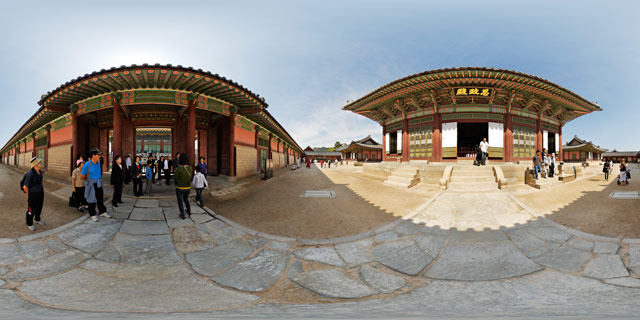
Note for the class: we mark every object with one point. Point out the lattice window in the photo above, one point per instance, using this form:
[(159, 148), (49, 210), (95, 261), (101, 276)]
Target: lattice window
[(421, 142), (524, 142)]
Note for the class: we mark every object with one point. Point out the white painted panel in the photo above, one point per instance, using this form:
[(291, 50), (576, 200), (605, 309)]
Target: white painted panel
[(386, 145), (545, 139), (557, 143), (496, 134), (449, 134), (399, 141)]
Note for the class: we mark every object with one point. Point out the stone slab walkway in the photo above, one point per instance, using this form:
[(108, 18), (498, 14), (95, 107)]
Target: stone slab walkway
[(458, 248)]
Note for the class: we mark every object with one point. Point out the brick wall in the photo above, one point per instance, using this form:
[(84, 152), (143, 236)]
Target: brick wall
[(59, 161), (246, 161)]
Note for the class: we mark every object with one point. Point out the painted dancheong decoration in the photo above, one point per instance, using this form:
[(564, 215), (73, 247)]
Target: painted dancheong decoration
[(199, 113), (442, 115)]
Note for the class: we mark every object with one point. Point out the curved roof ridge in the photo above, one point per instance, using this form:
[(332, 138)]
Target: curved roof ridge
[(146, 65), (470, 69)]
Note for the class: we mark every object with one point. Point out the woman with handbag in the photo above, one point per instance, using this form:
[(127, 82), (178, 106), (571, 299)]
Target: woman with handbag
[(623, 173), (78, 201), (117, 179)]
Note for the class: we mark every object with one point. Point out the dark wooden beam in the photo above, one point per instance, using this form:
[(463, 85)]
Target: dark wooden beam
[(432, 95), (54, 108), (249, 110), (512, 97)]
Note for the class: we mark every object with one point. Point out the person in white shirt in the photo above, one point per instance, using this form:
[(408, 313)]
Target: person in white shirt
[(484, 147), (199, 183), (552, 164), (127, 169), (166, 167)]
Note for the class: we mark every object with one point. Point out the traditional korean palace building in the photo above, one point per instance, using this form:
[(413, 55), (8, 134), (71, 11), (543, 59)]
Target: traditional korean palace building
[(441, 115), (365, 149), (321, 155), (578, 150), (160, 109)]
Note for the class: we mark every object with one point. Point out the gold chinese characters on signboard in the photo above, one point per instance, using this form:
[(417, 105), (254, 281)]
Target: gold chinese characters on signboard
[(481, 92)]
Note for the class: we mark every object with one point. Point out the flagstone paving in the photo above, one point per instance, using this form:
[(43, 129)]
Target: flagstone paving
[(147, 259)]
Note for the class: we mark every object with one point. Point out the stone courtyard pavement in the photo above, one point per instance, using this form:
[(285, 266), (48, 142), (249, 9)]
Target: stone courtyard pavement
[(471, 254)]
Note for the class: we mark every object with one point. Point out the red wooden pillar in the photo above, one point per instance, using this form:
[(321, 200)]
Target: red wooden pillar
[(508, 139), (232, 143), (74, 136), (257, 148), (405, 140), (33, 150), (539, 134), (191, 131), (384, 144), (116, 146), (46, 151), (437, 137)]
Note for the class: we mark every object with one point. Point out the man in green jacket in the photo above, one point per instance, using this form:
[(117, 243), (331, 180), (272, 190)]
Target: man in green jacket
[(182, 178)]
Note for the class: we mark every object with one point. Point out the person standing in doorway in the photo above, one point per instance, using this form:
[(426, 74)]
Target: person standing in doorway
[(78, 186), (182, 180), (34, 189), (199, 183), (117, 179), (166, 168), (137, 170), (484, 147), (148, 174), (92, 174), (536, 163)]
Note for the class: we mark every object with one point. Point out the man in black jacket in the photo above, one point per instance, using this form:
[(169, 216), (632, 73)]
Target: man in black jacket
[(137, 170)]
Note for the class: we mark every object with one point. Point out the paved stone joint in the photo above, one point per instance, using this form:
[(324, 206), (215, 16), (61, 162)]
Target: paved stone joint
[(147, 259)]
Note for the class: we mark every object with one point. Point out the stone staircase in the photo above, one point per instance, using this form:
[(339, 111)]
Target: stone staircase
[(404, 177), (473, 179)]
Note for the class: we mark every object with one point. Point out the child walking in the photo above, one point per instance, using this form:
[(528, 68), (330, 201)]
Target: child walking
[(199, 183)]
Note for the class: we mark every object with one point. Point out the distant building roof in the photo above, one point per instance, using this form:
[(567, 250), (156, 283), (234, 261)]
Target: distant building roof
[(578, 144), (366, 143), (323, 153), (621, 154)]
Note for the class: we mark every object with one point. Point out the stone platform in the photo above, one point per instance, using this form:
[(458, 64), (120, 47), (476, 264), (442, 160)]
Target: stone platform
[(476, 253)]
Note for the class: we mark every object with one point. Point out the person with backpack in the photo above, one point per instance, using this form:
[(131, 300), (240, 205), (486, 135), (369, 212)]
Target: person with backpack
[(199, 183), (31, 185), (182, 180), (623, 173), (94, 193)]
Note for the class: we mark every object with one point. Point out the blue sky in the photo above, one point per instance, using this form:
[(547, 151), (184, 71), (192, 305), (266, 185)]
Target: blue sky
[(308, 58)]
